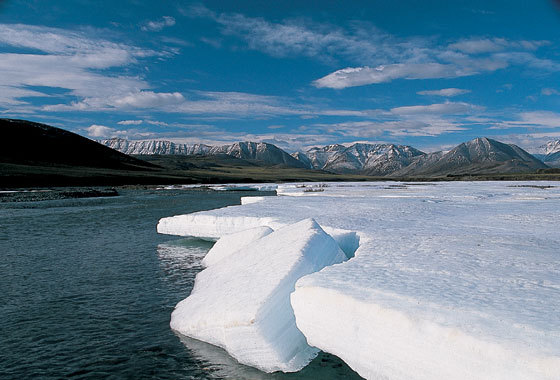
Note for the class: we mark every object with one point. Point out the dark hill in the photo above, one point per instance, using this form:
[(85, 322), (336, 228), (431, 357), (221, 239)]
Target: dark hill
[(35, 144)]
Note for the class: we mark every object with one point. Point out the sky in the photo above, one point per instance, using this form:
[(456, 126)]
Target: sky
[(430, 74)]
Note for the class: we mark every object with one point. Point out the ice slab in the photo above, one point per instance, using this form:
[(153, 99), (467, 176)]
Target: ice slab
[(469, 272), (384, 343), (242, 302), (231, 243), (205, 225)]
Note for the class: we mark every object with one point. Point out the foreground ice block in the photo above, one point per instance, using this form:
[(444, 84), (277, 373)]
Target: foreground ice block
[(242, 302), (231, 243)]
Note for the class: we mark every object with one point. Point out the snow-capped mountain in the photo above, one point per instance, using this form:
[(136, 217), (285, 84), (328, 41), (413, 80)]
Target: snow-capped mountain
[(318, 157), (265, 153), (549, 153), (154, 147), (372, 159), (481, 155), (478, 156), (550, 147)]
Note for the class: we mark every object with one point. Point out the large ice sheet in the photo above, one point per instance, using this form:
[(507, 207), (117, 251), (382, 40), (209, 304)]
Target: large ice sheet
[(242, 302), (460, 279)]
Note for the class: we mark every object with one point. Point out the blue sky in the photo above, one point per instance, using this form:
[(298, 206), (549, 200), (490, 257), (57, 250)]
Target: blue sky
[(426, 73)]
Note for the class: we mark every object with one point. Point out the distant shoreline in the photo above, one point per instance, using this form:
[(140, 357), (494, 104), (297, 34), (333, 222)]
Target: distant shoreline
[(52, 178)]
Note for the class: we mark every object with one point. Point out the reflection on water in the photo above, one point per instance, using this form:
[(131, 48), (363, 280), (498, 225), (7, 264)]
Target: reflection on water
[(181, 261), (220, 365)]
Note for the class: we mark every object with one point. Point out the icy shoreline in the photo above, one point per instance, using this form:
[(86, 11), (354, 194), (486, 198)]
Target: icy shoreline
[(460, 279)]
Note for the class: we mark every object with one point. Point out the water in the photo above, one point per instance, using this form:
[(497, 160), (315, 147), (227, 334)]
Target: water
[(87, 288)]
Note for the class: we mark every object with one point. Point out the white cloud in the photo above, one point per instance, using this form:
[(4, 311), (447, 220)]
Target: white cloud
[(540, 119), (154, 122), (130, 122), (123, 101), (375, 129), (101, 131), (531, 120), (81, 50), (359, 76), (477, 46), (147, 99), (362, 43), (448, 92), (95, 130), (66, 60), (447, 108), (10, 96), (156, 26), (492, 45), (381, 57), (20, 70)]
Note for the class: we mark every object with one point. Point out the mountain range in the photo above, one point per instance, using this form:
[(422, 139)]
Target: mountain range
[(36, 154), (478, 156), (263, 153)]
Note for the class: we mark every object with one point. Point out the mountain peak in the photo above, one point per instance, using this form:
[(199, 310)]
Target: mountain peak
[(550, 147)]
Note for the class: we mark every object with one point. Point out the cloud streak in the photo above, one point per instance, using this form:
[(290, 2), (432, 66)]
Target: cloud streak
[(447, 92), (156, 26)]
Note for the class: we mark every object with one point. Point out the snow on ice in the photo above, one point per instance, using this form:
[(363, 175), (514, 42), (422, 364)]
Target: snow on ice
[(231, 243), (446, 280)]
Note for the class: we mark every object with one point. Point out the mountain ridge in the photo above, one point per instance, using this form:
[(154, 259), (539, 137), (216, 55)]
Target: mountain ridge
[(478, 156), (265, 153)]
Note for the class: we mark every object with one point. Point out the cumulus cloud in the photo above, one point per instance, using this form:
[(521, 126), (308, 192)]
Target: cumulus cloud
[(98, 131), (447, 92), (156, 26), (103, 132)]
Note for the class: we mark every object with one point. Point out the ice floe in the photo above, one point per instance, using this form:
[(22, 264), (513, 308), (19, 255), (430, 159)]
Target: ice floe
[(447, 280), (242, 302)]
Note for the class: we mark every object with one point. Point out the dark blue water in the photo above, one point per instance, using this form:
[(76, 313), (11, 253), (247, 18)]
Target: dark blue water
[(87, 288)]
